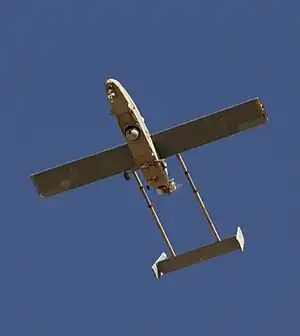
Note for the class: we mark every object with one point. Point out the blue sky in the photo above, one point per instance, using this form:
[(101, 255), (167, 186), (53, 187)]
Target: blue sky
[(80, 263)]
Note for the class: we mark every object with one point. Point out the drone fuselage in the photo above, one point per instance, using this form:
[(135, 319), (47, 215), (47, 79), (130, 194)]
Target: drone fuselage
[(139, 139)]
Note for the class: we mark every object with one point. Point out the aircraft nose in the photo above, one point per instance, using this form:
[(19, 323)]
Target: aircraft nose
[(113, 82), (114, 90), (110, 86), (109, 81)]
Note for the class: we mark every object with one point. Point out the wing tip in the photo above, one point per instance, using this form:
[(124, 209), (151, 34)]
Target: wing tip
[(263, 112), (33, 178)]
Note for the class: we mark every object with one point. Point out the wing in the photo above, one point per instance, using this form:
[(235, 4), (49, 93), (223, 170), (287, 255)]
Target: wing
[(209, 128), (83, 171)]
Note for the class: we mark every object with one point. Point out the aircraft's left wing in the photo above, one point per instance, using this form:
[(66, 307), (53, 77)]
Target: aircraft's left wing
[(209, 128), (83, 171)]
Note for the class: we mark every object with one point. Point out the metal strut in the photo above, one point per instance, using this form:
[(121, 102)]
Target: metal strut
[(154, 214), (166, 264), (198, 197)]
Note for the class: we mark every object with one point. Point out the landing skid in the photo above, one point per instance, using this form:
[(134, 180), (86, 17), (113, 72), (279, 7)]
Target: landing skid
[(165, 264)]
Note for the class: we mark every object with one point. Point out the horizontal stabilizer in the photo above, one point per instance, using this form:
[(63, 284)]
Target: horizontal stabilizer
[(166, 265), (209, 128), (83, 171)]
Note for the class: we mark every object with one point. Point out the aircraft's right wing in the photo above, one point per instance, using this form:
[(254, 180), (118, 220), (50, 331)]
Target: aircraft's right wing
[(83, 171), (209, 128)]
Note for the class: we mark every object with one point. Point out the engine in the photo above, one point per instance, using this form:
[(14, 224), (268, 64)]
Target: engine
[(167, 190)]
